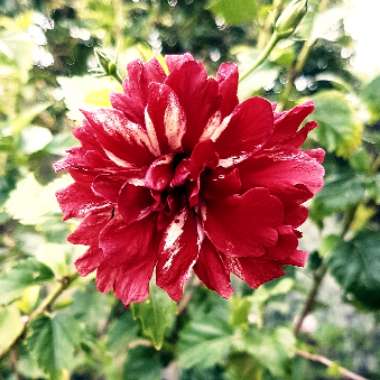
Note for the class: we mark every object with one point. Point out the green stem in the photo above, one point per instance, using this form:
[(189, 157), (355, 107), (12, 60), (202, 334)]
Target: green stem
[(46, 303), (269, 22), (299, 63), (263, 56)]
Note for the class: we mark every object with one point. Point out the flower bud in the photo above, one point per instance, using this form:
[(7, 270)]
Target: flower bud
[(105, 62), (290, 18), (102, 58)]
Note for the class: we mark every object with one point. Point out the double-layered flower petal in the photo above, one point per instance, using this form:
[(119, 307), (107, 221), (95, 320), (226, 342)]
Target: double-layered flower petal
[(178, 177)]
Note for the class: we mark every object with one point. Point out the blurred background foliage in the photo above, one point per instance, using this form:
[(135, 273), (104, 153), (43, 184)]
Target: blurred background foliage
[(54, 325)]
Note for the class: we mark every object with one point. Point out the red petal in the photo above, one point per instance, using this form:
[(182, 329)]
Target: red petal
[(203, 156), (124, 142), (175, 61), (249, 128), (178, 254), (88, 231), (211, 270), (287, 124), (198, 96), (132, 281), (166, 116), (295, 214), (160, 173), (301, 135), (285, 173), (286, 244), (132, 103), (77, 200), (89, 261), (297, 258), (318, 154), (135, 203), (105, 277), (243, 225), (228, 78), (122, 243), (255, 271), (221, 183), (108, 186)]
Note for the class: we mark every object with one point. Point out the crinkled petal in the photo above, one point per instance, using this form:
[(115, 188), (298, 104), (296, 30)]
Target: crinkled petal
[(132, 282), (175, 61), (108, 186), (250, 126), (212, 271), (198, 96), (124, 142), (221, 183), (166, 116), (135, 203), (203, 156), (159, 173), (255, 271), (77, 200), (122, 243), (88, 231), (244, 225), (228, 78), (88, 262), (289, 174), (134, 99), (288, 122), (178, 253)]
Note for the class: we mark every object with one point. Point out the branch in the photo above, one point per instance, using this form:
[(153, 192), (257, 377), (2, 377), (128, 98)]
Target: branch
[(347, 374), (320, 275), (46, 303)]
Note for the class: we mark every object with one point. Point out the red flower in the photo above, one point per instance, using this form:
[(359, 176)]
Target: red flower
[(179, 176)]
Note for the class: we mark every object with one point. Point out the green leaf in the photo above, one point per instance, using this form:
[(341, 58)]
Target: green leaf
[(242, 367), (30, 202), (272, 350), (341, 191), (142, 363), (156, 315), (24, 274), (356, 267), (204, 342), (24, 118), (240, 308), (374, 188), (52, 342), (371, 96), (121, 332), (339, 130), (234, 11), (34, 139), (11, 326)]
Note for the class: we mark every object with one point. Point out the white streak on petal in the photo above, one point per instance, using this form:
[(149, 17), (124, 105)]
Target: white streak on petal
[(231, 161), (117, 160), (114, 122), (134, 132), (200, 236), (172, 238), (136, 181), (152, 134), (219, 130), (211, 126), (174, 121)]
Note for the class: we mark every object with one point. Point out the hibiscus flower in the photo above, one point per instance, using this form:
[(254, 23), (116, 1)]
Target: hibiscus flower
[(179, 177)]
